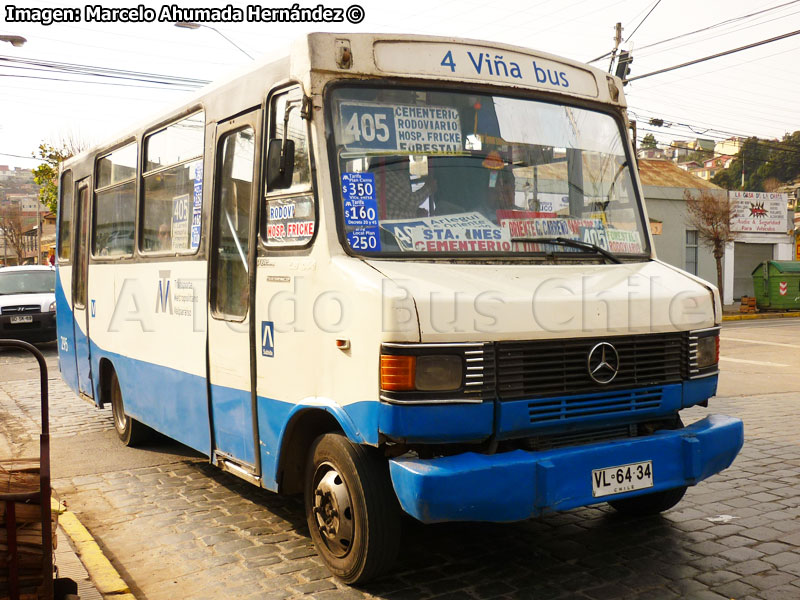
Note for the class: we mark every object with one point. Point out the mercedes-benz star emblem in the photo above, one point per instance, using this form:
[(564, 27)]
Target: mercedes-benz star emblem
[(603, 363)]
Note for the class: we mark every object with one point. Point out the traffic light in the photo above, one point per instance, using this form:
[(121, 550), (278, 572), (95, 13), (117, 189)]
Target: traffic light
[(624, 65)]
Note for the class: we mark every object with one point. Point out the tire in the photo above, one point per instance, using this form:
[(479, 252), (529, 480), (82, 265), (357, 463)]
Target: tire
[(649, 504), (130, 431), (351, 509)]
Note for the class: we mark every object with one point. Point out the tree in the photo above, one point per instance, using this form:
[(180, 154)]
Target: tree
[(761, 161), (784, 163), (46, 174), (12, 227), (711, 216), (649, 141)]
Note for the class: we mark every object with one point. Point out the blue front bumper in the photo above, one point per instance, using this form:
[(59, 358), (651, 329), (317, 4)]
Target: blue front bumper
[(516, 485)]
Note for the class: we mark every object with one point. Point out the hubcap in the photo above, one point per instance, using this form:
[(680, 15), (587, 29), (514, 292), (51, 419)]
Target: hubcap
[(333, 510), (120, 420)]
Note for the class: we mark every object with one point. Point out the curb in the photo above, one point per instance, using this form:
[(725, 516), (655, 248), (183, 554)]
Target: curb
[(103, 574), (752, 316)]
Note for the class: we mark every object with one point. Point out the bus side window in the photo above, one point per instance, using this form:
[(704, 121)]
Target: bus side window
[(115, 203), (230, 290), (289, 214), (65, 218), (172, 203)]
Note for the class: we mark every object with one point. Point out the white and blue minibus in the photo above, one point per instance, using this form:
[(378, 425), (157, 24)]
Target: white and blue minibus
[(394, 274)]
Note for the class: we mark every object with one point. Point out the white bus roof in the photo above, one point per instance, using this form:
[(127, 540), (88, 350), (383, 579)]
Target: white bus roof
[(394, 56)]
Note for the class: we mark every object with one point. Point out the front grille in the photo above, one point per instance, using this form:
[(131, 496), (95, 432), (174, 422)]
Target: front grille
[(579, 438), (23, 326), (530, 369), (595, 405), (22, 309)]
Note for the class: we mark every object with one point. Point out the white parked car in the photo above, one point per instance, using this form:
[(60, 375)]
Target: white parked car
[(28, 303)]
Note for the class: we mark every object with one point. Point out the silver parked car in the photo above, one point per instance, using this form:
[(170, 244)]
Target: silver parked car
[(28, 303)]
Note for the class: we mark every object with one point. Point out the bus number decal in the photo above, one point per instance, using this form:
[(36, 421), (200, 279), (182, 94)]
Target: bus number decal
[(401, 128)]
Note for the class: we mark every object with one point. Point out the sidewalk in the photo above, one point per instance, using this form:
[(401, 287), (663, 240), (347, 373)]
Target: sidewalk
[(730, 312), (81, 559), (70, 565)]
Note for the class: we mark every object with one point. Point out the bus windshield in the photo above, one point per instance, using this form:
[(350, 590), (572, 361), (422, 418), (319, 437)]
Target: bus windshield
[(424, 172)]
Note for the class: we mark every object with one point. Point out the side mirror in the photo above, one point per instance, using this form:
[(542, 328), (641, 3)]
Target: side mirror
[(280, 163)]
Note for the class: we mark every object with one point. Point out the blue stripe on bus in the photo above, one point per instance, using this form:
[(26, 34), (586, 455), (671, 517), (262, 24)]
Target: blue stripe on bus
[(170, 401), (233, 422), (66, 338), (437, 423), (699, 390)]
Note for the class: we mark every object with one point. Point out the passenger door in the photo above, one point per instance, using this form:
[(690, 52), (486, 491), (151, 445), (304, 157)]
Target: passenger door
[(80, 279), (230, 330)]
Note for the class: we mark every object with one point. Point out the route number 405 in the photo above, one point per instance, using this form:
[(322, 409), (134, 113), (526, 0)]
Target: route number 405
[(368, 127)]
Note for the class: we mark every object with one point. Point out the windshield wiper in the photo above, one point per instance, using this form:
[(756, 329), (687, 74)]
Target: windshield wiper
[(562, 241)]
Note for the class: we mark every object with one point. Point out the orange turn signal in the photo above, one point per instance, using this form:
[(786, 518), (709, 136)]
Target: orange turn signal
[(398, 372)]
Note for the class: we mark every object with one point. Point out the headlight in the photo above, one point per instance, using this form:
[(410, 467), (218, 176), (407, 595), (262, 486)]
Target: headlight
[(707, 351), (52, 307), (703, 356), (423, 373), (438, 373), (433, 373)]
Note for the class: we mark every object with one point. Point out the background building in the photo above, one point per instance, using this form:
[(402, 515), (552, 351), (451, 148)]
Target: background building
[(664, 185), (763, 224)]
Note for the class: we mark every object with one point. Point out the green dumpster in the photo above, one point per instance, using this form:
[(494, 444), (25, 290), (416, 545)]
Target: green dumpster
[(776, 284)]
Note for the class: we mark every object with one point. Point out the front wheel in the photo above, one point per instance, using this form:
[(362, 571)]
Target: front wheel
[(352, 513), (130, 431), (649, 504)]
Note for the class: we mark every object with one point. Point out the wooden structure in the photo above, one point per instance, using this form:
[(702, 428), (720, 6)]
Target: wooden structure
[(26, 532)]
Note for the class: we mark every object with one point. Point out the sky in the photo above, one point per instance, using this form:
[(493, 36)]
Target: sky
[(752, 92)]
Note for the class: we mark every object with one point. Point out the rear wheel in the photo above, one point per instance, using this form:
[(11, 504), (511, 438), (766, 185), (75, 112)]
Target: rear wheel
[(352, 512), (130, 431), (649, 504)]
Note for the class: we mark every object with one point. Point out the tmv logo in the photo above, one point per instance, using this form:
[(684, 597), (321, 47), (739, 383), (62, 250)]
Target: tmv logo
[(267, 338), (164, 299)]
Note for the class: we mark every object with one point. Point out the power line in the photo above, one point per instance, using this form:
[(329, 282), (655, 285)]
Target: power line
[(704, 126), (147, 87), (768, 144), (714, 26), (720, 24), (102, 71), (734, 29), (717, 55), (642, 21), (18, 156), (48, 70)]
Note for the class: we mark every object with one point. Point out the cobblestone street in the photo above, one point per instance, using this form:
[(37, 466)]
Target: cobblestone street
[(183, 529)]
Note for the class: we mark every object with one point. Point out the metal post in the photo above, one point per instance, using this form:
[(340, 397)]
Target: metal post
[(38, 233)]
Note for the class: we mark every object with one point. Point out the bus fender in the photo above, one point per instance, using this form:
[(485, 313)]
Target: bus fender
[(306, 421)]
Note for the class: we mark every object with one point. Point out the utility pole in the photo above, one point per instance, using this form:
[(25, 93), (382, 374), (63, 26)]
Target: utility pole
[(742, 166), (617, 42), (38, 232)]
